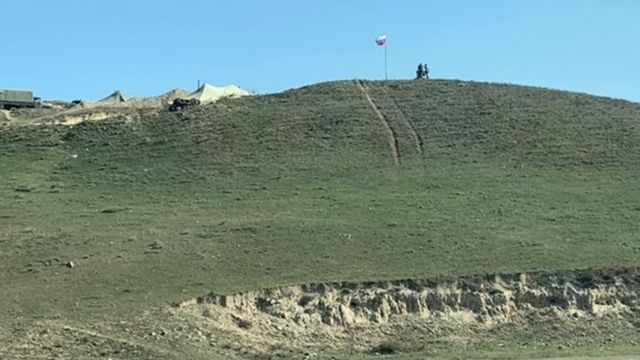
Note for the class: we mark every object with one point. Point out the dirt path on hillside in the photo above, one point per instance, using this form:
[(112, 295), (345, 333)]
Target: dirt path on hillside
[(631, 357), (393, 137), (417, 139), (51, 339), (117, 340)]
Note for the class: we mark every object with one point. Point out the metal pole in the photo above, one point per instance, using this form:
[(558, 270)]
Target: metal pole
[(386, 72)]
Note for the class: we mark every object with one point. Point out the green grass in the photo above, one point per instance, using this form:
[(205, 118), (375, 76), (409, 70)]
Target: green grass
[(301, 187)]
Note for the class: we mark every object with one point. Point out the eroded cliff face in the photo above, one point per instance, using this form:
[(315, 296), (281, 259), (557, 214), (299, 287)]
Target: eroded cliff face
[(359, 315)]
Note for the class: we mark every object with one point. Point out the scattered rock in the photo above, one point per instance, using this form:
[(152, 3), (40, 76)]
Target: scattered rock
[(242, 323), (24, 188), (70, 264), (384, 349)]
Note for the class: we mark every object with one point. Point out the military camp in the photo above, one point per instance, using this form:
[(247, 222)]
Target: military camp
[(320, 180)]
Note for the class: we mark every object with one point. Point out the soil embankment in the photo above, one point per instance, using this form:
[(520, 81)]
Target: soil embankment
[(360, 316)]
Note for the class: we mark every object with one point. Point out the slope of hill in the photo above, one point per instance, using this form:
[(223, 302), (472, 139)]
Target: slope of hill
[(343, 181)]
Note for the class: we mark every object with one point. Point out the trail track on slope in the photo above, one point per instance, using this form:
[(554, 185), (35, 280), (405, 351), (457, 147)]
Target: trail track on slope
[(393, 137), (631, 357), (51, 339), (117, 340), (417, 139)]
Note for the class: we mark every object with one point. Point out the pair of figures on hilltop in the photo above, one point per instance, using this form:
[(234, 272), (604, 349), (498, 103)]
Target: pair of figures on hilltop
[(422, 72)]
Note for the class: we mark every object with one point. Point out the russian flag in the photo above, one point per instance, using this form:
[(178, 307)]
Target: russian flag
[(381, 40)]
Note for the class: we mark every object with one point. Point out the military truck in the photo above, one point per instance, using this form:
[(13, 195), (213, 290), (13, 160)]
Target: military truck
[(12, 99)]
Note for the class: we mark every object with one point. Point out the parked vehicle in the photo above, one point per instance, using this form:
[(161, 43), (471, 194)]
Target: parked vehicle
[(12, 99)]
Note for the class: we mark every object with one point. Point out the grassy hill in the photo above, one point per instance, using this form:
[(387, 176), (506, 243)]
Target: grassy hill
[(303, 186)]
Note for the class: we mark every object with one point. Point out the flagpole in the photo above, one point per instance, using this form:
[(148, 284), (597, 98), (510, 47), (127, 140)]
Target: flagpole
[(382, 41), (386, 73)]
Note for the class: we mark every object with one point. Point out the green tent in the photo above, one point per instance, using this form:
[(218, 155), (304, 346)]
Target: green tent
[(117, 97), (208, 93)]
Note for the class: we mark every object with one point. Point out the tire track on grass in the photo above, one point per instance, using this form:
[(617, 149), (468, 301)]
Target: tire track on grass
[(118, 340), (393, 137), (417, 139)]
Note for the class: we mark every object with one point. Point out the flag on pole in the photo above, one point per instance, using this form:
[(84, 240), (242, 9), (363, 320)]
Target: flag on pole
[(382, 41)]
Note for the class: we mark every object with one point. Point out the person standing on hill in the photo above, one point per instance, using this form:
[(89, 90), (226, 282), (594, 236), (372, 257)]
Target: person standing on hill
[(420, 72)]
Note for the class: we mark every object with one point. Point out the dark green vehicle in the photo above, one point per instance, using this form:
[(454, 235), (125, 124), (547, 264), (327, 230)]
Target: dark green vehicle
[(12, 99)]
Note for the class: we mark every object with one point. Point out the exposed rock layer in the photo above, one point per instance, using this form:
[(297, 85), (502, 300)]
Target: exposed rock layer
[(357, 316), (485, 299)]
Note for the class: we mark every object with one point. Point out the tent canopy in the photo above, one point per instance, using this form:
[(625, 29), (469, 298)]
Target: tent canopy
[(208, 93), (116, 97)]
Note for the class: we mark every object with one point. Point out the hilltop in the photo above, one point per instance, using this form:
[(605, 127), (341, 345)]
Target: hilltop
[(455, 120), (350, 181)]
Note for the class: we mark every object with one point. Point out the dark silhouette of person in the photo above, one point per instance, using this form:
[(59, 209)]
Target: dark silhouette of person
[(420, 72)]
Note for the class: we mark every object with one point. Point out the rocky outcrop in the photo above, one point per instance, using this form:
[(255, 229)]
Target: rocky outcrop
[(489, 299), (361, 316)]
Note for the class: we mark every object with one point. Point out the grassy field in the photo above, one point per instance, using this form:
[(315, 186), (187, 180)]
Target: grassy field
[(301, 187)]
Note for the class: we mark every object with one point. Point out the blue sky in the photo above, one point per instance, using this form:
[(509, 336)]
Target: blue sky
[(69, 49)]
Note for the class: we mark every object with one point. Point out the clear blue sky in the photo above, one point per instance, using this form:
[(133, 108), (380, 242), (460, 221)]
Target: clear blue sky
[(68, 49)]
